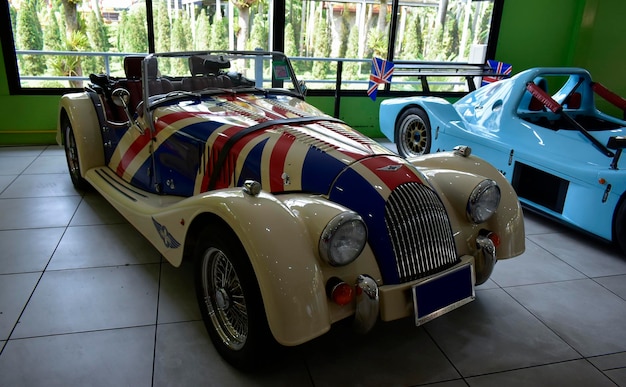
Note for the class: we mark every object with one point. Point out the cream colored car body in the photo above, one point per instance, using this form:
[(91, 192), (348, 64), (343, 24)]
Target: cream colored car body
[(280, 233)]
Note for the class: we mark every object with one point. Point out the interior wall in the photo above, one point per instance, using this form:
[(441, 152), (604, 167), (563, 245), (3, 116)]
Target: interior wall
[(25, 119), (584, 33), (569, 33), (601, 48)]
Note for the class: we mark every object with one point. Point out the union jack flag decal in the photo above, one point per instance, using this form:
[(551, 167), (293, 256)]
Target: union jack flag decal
[(501, 70), (381, 73)]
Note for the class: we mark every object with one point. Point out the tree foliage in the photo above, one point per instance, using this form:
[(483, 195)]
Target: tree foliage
[(351, 69), (351, 30), (162, 27), (98, 38), (259, 35), (377, 43), (181, 32), (30, 37), (413, 43), (132, 31), (219, 34), (321, 48), (202, 40)]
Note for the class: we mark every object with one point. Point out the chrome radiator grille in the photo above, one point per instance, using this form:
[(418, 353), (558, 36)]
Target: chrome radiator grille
[(420, 232)]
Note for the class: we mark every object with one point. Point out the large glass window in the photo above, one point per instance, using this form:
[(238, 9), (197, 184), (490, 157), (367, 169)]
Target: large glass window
[(352, 32), (56, 44)]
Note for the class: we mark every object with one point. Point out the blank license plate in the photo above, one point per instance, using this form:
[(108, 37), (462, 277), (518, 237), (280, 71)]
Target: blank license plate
[(442, 294)]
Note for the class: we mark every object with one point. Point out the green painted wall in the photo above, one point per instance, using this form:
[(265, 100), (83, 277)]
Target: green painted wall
[(25, 119), (571, 33), (360, 112), (584, 33)]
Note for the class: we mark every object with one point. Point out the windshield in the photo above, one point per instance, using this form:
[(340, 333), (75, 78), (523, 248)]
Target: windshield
[(213, 72)]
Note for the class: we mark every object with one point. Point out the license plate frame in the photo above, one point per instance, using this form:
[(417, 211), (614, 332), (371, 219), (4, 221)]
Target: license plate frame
[(441, 294)]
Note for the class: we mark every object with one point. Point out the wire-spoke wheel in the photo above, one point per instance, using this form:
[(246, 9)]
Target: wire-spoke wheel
[(71, 155), (230, 299), (413, 133), (224, 299)]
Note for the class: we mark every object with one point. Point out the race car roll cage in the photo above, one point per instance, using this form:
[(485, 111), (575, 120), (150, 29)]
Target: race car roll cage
[(615, 142)]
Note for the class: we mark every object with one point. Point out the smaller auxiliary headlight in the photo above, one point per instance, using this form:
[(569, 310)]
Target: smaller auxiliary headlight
[(343, 239), (483, 201)]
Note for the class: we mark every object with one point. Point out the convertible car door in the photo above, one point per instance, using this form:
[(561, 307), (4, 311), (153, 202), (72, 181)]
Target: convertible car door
[(132, 158)]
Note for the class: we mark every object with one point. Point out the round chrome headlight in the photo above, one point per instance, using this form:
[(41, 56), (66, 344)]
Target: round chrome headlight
[(343, 239), (483, 201)]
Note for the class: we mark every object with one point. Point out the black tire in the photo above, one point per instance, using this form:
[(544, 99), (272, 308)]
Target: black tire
[(71, 155), (230, 300), (413, 134), (619, 227)]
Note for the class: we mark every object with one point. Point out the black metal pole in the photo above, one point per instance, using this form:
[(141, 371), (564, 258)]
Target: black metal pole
[(393, 27)]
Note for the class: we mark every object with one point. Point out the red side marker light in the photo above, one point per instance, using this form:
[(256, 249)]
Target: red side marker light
[(342, 294), (495, 238)]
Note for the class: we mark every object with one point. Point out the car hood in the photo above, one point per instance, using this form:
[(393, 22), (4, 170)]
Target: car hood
[(281, 141)]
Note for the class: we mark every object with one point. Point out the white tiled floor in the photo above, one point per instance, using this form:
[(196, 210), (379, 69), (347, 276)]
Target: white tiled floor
[(86, 301)]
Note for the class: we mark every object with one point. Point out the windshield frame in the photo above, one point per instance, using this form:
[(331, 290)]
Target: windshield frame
[(283, 79)]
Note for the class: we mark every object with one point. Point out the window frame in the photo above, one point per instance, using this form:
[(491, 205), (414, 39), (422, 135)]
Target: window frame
[(278, 9)]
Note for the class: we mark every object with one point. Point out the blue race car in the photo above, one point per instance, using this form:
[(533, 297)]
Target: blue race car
[(542, 130)]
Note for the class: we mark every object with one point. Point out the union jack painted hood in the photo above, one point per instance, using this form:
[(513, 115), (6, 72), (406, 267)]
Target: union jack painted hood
[(278, 140)]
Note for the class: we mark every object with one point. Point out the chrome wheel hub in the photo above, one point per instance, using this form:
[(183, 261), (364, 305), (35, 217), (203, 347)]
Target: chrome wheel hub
[(221, 299)]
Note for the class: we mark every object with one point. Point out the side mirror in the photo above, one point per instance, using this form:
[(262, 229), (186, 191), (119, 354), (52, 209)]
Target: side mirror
[(618, 143), (121, 97)]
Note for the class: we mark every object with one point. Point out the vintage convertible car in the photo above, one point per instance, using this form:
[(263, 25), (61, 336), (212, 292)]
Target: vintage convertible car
[(561, 154), (294, 220)]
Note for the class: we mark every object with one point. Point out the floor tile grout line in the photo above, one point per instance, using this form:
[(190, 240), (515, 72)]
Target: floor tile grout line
[(148, 325), (445, 355), (541, 320), (8, 185), (156, 321), (607, 289), (41, 275), (535, 366), (557, 257)]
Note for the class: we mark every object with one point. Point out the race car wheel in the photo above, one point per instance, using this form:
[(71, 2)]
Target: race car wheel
[(230, 300), (619, 228), (413, 134), (71, 155)]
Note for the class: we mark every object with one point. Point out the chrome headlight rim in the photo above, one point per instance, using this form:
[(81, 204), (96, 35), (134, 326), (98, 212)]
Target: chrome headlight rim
[(483, 201), (334, 248)]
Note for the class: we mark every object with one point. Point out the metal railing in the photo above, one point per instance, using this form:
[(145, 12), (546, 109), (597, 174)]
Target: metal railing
[(416, 77)]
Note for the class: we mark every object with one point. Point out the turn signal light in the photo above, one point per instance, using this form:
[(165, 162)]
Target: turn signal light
[(495, 238), (340, 292)]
